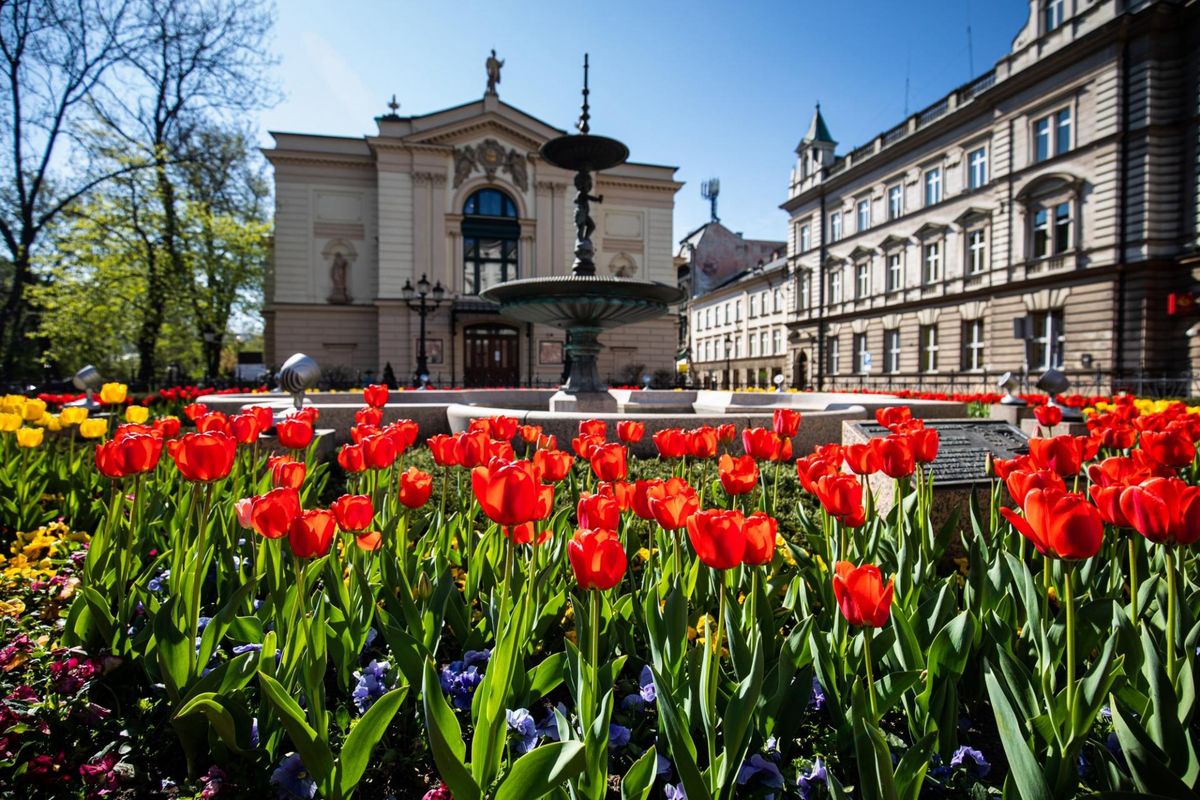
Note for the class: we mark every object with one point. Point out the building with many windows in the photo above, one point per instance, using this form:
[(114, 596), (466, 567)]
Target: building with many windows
[(462, 197), (1038, 216)]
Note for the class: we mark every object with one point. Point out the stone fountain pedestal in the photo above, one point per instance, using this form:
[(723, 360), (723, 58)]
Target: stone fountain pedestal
[(584, 402)]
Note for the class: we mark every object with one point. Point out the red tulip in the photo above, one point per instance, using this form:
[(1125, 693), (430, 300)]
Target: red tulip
[(585, 443), (194, 411), (672, 504), (597, 558), (1060, 524), (726, 433), (620, 491), (1048, 416), (738, 475), (205, 456), (641, 498), (1172, 448), (630, 432), (213, 421), (702, 442), (272, 514), (671, 443), (504, 428), (862, 459), (443, 449), (811, 469), (473, 449), (598, 511), (785, 422), (608, 462), (526, 533), (861, 595), (895, 455), (1108, 503), (369, 415), (368, 541), (1063, 454), (783, 451), (718, 537), (286, 472), (593, 427), (351, 458), (353, 512), (893, 416), (924, 443), (552, 465), (379, 451), (840, 495), (376, 395), (761, 532), (1020, 483), (415, 487), (760, 444), (508, 494), (294, 433), (311, 533), (403, 433), (245, 428), (1164, 510), (264, 415), (530, 433), (169, 426)]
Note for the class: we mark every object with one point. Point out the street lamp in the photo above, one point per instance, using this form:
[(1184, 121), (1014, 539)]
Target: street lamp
[(728, 370), (422, 300)]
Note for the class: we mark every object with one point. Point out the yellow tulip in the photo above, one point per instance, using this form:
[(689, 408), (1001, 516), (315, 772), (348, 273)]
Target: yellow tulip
[(113, 393), (9, 422), (49, 422), (93, 428), (34, 410), (137, 414), (73, 415), (30, 437)]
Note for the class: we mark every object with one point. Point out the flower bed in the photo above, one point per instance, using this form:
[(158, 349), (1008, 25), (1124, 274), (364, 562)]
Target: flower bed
[(497, 614)]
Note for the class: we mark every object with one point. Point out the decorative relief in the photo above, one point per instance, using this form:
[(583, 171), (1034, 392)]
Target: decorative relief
[(434, 178), (623, 266), (490, 157)]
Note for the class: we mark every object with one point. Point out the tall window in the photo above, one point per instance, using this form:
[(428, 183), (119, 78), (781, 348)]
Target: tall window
[(933, 262), (490, 238), (862, 280), (753, 346), (976, 251), (972, 344), (835, 286), (1052, 14), (891, 350), (894, 273), (754, 305), (929, 348), (895, 195), (777, 341), (805, 238), (835, 226), (977, 168), (778, 300), (762, 343), (1052, 134), (833, 355), (862, 356), (1046, 346), (728, 317), (805, 291), (933, 186), (737, 311), (864, 215), (1051, 230)]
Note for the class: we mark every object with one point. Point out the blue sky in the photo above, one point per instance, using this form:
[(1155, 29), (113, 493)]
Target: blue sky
[(715, 88)]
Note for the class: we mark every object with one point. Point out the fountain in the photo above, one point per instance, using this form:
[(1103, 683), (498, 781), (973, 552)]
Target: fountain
[(584, 304)]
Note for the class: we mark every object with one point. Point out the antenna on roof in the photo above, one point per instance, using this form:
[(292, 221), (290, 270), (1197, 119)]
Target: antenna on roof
[(970, 48), (709, 190), (907, 73)]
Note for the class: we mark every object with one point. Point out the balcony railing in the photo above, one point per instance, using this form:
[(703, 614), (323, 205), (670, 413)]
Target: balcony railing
[(936, 110)]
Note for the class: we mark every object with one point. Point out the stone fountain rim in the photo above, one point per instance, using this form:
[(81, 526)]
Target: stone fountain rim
[(587, 287)]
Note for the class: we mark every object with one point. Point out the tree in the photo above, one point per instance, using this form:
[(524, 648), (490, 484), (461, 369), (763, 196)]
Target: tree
[(54, 55)]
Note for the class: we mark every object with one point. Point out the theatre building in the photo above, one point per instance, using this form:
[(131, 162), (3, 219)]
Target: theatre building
[(461, 197)]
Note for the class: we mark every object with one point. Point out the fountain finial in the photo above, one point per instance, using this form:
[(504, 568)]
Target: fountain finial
[(582, 126)]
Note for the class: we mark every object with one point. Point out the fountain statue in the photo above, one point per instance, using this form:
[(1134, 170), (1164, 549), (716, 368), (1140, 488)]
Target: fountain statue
[(583, 303)]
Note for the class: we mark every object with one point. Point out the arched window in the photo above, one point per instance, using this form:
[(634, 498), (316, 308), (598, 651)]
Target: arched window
[(490, 237)]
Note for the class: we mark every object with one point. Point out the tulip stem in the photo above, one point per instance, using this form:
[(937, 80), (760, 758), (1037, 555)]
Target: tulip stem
[(1069, 600), (1172, 601), (198, 575), (1133, 581), (868, 632)]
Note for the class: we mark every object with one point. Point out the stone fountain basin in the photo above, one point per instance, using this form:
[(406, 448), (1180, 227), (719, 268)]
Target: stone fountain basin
[(584, 301)]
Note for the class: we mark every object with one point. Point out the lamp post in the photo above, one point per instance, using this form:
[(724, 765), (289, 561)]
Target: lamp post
[(422, 300), (728, 370)]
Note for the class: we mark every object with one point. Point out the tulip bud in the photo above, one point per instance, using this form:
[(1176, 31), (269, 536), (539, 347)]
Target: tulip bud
[(424, 588)]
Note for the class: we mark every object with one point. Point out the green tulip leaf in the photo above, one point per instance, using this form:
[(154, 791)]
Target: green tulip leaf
[(364, 736)]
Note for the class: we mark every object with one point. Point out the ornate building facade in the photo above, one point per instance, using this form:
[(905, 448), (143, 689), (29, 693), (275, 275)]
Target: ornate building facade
[(462, 197), (1039, 216)]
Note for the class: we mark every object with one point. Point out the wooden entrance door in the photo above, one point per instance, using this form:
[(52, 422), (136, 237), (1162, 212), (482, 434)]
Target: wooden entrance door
[(491, 356)]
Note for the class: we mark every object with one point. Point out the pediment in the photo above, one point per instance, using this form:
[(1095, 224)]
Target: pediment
[(931, 230), (860, 252), (478, 120), (973, 214), (1050, 183), (892, 242)]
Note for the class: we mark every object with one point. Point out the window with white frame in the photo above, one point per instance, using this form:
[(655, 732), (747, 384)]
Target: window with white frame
[(737, 311), (933, 186), (895, 273), (929, 348), (777, 341), (1052, 229), (805, 237), (699, 323), (753, 346), (977, 170), (778, 301), (1052, 15), (895, 199), (835, 286), (737, 346), (933, 262), (805, 291), (862, 280), (862, 356), (728, 313), (835, 226), (764, 302), (864, 215), (754, 305), (972, 344), (763, 343), (976, 251), (891, 350), (1045, 348), (833, 355), (1052, 134)]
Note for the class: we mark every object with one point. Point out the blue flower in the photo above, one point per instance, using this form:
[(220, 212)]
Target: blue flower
[(254, 732), (662, 765), (816, 699), (940, 771), (632, 702), (549, 726), (250, 647), (371, 634), (459, 678), (808, 784), (372, 685), (674, 792), (966, 757), (292, 781), (760, 772), (521, 723), (618, 736), (646, 682), (156, 583)]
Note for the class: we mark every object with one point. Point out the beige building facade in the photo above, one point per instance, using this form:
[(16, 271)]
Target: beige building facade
[(1036, 217), (462, 197)]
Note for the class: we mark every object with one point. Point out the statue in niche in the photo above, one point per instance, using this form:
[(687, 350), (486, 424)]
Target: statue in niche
[(493, 66), (337, 277), (583, 200)]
